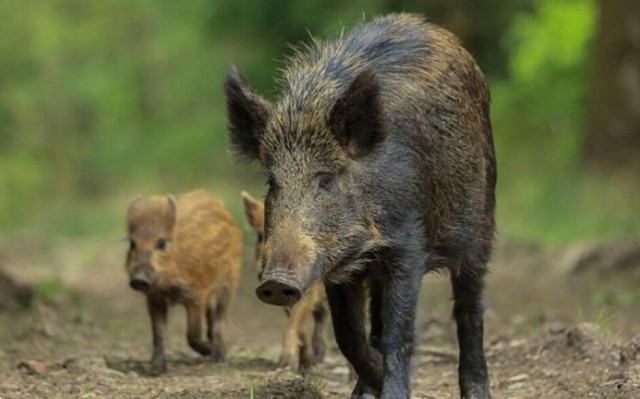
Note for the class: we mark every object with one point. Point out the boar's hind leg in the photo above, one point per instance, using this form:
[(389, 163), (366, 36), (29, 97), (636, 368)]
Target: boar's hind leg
[(468, 312), (216, 324), (158, 308), (195, 313), (346, 302)]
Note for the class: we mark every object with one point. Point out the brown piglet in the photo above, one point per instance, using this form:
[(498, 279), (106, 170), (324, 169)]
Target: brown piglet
[(184, 250), (299, 350)]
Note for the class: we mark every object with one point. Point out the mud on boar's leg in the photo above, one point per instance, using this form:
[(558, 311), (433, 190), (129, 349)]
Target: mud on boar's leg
[(347, 311), (468, 311), (158, 308)]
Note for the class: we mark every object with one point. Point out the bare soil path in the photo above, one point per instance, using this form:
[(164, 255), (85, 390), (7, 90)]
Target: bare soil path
[(548, 335)]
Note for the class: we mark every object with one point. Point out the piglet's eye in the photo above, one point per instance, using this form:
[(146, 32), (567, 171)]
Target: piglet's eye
[(162, 244), (132, 245)]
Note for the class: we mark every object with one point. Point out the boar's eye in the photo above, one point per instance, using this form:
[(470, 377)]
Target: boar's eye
[(162, 244), (324, 181), (271, 180), (132, 245)]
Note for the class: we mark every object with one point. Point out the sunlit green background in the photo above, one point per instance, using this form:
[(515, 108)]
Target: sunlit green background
[(104, 100)]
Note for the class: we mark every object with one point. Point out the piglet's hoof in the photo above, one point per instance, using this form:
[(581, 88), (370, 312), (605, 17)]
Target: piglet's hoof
[(157, 369)]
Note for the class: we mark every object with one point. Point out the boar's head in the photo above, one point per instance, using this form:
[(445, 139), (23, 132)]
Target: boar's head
[(313, 143)]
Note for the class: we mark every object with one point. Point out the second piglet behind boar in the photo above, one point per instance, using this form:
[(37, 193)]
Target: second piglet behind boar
[(300, 350), (187, 251)]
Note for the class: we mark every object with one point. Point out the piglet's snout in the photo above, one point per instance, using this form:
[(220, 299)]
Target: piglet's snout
[(140, 281)]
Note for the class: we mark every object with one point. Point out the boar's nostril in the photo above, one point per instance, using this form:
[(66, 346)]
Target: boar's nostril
[(278, 293)]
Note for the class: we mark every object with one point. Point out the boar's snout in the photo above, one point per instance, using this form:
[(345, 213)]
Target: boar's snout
[(140, 281), (278, 291)]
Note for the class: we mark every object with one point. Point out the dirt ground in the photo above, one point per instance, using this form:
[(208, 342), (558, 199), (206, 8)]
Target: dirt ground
[(558, 325)]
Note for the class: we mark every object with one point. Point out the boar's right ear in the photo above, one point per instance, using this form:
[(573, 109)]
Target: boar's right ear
[(356, 118), (248, 114), (254, 211)]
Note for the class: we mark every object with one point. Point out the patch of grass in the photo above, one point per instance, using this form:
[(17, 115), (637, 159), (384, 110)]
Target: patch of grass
[(50, 290), (624, 298), (603, 319)]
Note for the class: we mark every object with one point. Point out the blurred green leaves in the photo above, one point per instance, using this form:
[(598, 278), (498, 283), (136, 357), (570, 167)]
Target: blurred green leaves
[(112, 98)]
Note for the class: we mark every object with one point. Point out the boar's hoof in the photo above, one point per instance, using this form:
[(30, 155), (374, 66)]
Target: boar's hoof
[(278, 293)]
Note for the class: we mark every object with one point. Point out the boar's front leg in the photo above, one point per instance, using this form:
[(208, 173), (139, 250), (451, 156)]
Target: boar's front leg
[(158, 308), (346, 302), (400, 295), (195, 313), (468, 285)]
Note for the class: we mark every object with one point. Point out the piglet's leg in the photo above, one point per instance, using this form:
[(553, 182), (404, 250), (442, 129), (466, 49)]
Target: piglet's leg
[(293, 337), (157, 307), (217, 323), (195, 314), (319, 337)]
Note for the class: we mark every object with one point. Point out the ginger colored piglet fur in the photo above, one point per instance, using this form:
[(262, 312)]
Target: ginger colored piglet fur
[(187, 251)]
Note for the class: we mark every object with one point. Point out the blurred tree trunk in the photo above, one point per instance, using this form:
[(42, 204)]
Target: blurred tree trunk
[(613, 121)]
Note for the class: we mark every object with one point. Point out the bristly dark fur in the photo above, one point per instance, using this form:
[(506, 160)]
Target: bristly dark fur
[(381, 164)]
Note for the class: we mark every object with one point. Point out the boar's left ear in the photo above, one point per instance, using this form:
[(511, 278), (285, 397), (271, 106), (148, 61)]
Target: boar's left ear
[(356, 118), (248, 114)]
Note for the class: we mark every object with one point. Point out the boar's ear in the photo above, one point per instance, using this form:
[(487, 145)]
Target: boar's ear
[(356, 118), (254, 211), (247, 112), (173, 212)]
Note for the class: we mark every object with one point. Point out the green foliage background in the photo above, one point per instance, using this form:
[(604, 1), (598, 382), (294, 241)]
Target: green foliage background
[(104, 100)]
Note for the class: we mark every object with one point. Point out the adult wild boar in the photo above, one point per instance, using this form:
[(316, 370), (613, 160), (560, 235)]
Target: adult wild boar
[(187, 251), (381, 167)]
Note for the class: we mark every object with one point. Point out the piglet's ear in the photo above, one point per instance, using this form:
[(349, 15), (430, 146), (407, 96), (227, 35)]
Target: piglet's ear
[(253, 211), (356, 118), (248, 114), (173, 212), (132, 212)]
